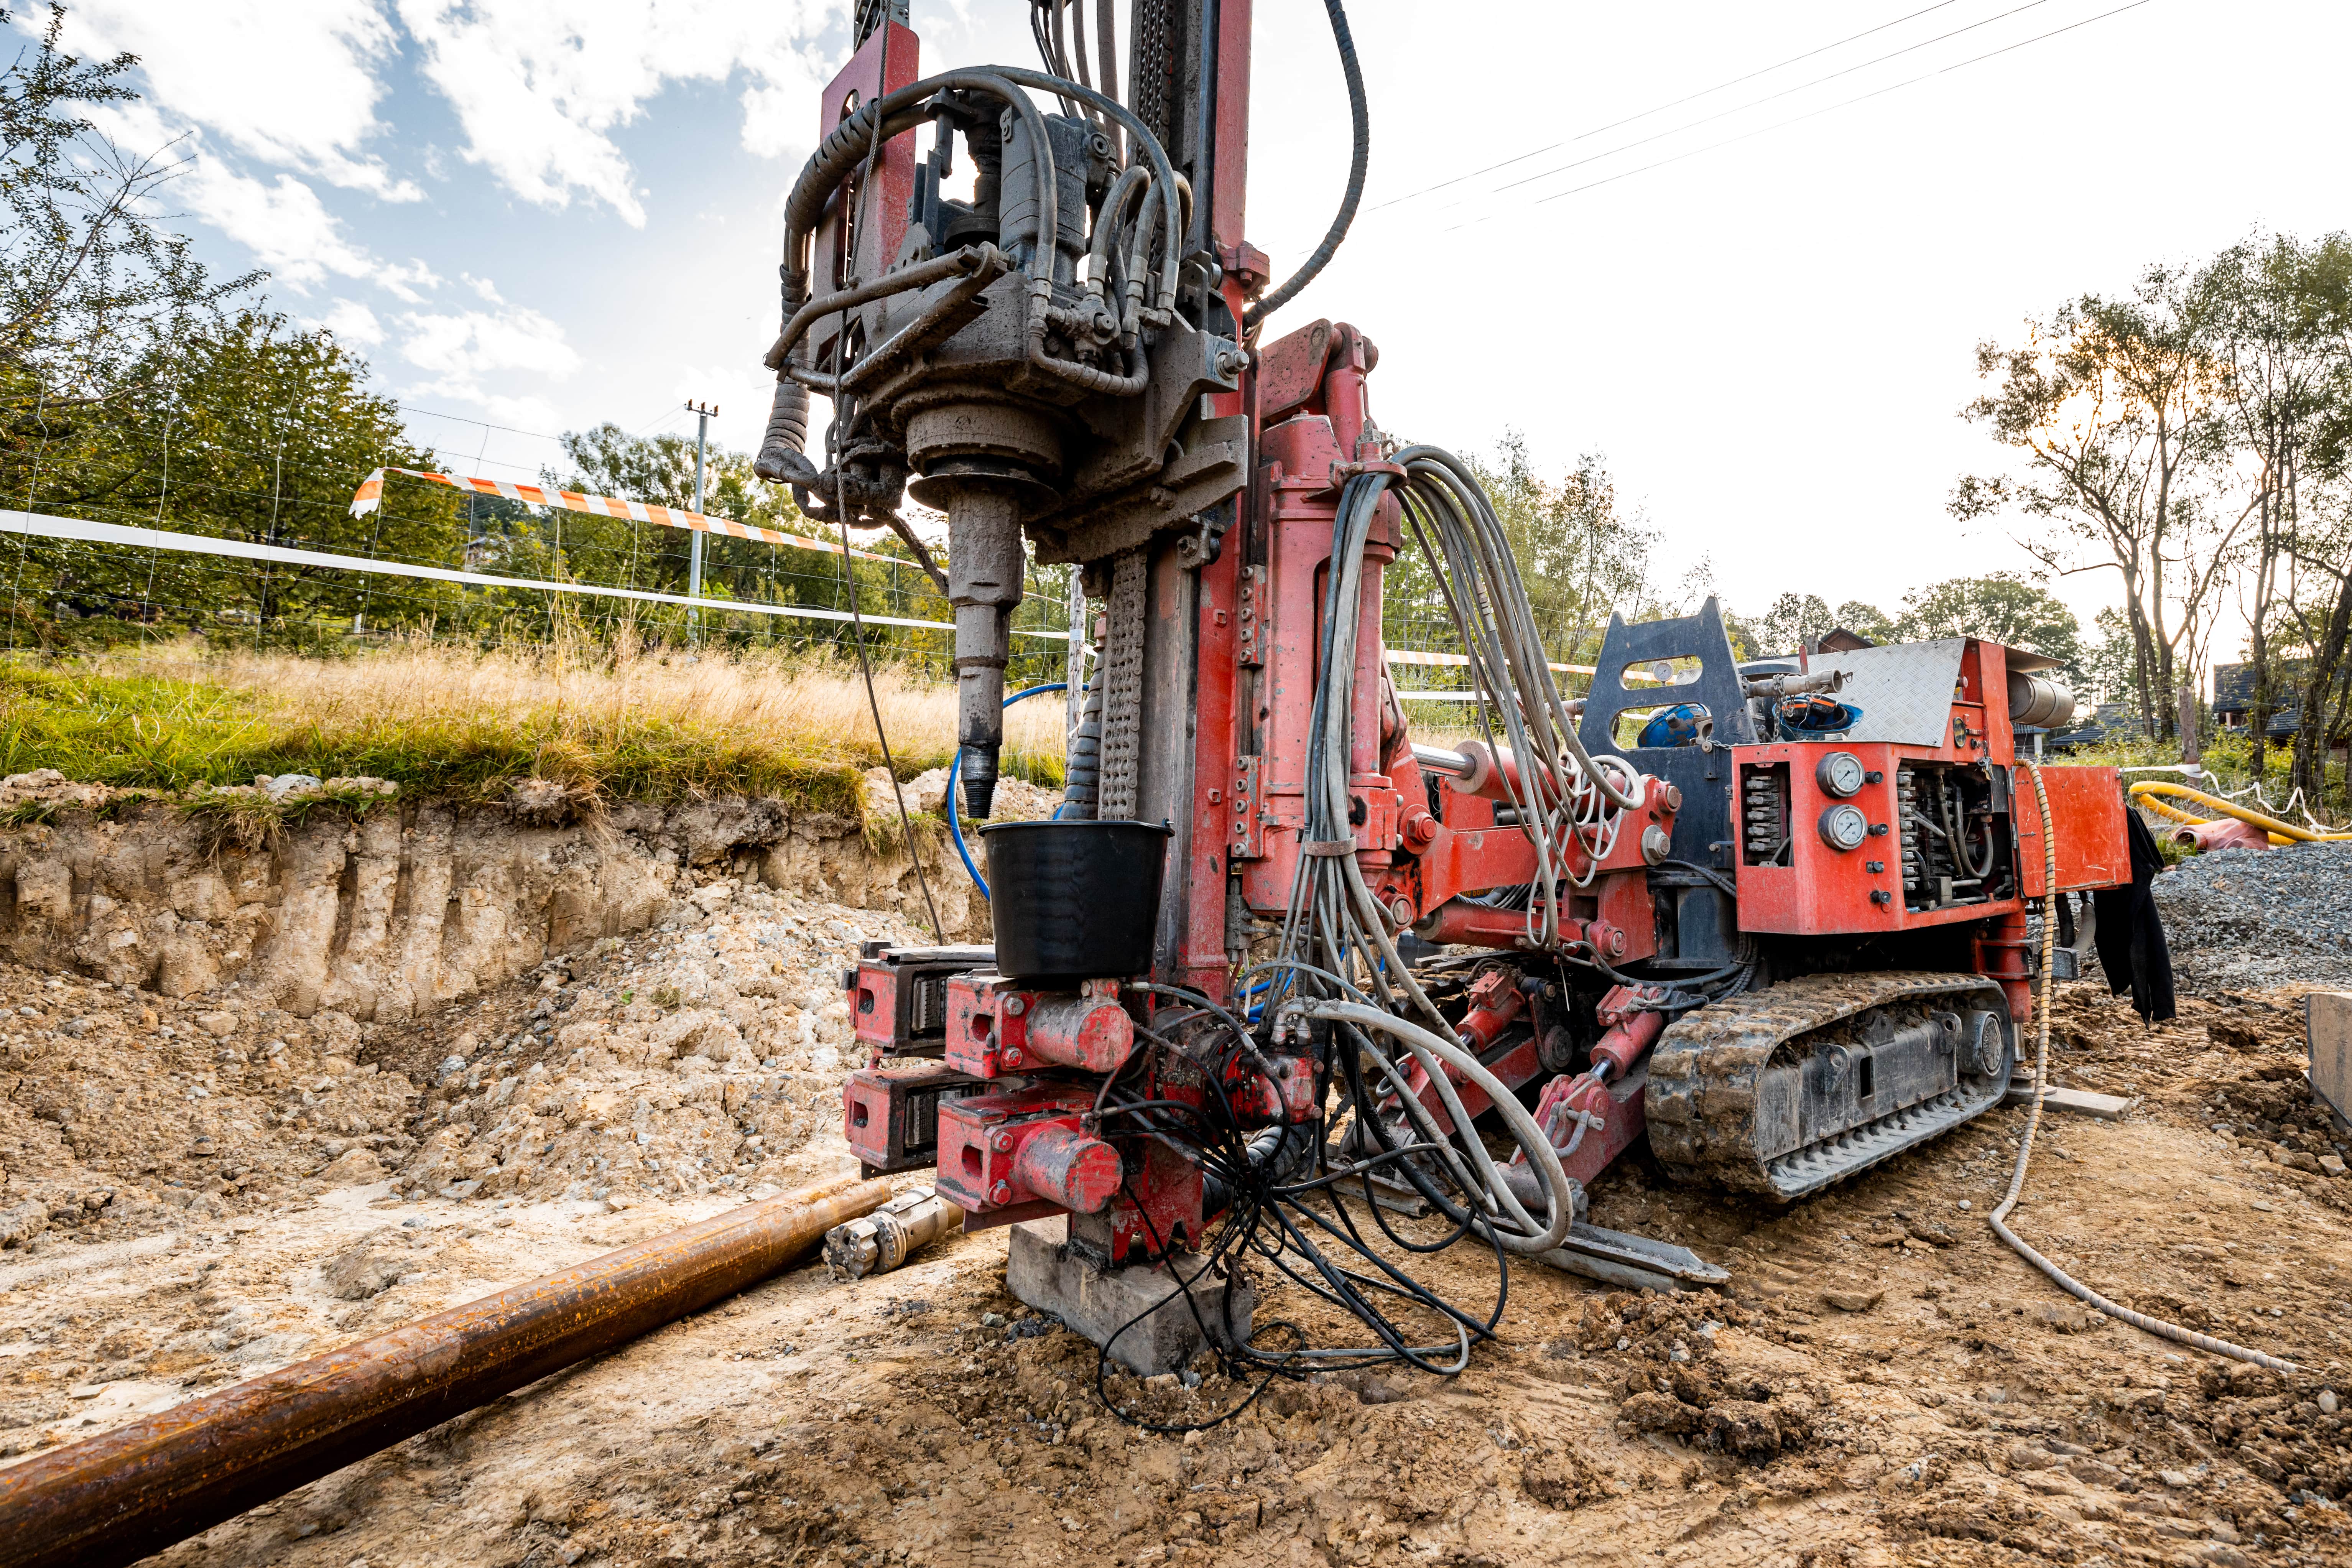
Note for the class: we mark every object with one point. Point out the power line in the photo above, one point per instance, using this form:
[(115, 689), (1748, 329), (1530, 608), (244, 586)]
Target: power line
[(1767, 70), (1662, 108), (469, 419), (1815, 113), (1772, 97)]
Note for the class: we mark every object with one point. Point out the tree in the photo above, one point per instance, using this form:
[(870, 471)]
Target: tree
[(2115, 408), (2002, 607), (1792, 623), (90, 281), (2110, 664), (1868, 621), (2284, 309), (247, 430)]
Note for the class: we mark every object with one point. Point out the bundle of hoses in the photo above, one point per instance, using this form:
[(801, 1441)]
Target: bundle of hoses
[(1563, 796), (1283, 1203), (1999, 1216), (1339, 973)]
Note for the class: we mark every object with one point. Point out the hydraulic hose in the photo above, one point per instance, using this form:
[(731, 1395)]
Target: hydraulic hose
[(2144, 792), (1437, 1054), (1359, 115), (955, 817), (1999, 1216)]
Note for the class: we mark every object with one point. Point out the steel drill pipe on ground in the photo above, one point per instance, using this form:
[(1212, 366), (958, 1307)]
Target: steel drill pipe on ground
[(116, 1499)]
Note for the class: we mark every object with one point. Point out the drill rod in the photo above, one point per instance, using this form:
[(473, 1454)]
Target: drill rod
[(135, 1490)]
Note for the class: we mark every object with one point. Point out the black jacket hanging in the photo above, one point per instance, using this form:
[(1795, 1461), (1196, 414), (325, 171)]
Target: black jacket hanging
[(2131, 934)]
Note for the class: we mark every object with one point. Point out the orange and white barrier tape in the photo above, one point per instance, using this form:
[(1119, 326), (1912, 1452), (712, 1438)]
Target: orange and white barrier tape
[(370, 495)]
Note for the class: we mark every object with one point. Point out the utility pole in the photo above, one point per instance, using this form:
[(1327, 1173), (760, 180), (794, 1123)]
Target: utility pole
[(704, 414)]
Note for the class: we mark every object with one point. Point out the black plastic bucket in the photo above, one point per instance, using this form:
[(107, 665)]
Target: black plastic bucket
[(1074, 900)]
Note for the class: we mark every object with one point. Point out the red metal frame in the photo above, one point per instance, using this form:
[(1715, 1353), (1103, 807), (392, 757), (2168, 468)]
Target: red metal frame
[(885, 211), (1028, 1143)]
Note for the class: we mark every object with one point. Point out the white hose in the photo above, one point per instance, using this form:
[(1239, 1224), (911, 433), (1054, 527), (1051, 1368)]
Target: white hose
[(2058, 1276), (1435, 1054)]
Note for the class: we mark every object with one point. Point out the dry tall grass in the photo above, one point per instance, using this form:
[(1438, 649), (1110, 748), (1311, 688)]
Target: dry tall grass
[(625, 725)]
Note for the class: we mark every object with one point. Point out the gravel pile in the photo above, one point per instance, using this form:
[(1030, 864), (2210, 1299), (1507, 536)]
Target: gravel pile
[(121, 1110), (2246, 920)]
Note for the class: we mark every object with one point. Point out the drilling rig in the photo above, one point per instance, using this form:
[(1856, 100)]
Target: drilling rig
[(1275, 971)]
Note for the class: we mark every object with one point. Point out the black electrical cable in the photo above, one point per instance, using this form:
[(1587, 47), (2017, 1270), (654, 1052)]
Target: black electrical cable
[(1270, 1218), (1359, 159)]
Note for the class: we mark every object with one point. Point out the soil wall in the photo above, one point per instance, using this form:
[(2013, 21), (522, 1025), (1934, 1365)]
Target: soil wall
[(384, 912)]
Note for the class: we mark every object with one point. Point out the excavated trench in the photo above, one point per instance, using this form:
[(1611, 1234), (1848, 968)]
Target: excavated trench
[(264, 1095)]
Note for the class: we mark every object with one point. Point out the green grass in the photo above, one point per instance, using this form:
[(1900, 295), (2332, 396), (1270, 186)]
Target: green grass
[(171, 734), (456, 725)]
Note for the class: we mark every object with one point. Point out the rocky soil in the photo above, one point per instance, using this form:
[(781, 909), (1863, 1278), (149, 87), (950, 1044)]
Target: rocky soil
[(337, 896), (204, 1187), (2244, 920)]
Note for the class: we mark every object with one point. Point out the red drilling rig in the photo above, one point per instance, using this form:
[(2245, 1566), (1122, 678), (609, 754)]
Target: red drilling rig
[(1276, 973)]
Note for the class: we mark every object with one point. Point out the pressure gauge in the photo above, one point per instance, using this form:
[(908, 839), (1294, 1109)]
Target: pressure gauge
[(1845, 827), (1838, 775)]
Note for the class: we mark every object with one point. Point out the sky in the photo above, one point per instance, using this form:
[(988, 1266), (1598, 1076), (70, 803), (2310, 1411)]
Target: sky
[(1745, 253)]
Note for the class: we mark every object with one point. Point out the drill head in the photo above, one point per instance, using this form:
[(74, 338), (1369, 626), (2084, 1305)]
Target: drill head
[(984, 565)]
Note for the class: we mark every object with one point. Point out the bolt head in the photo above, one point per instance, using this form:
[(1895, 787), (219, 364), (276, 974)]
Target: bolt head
[(1001, 1194), (1015, 1005), (1003, 1142), (1012, 1059)]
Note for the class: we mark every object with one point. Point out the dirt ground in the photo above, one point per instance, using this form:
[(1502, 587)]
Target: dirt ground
[(1884, 1382)]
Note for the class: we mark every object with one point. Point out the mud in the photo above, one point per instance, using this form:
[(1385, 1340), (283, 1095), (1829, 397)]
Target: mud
[(199, 1188), (1882, 1384)]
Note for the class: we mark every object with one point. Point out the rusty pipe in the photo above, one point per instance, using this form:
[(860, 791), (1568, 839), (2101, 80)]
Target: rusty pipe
[(135, 1490)]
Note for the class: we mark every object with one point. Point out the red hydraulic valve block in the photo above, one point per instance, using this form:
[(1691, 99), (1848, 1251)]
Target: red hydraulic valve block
[(995, 1026), (1630, 1030), (1025, 1150), (890, 1115), (1494, 1000), (1287, 1098), (897, 996)]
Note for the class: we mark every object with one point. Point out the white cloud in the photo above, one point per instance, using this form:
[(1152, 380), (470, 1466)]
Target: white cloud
[(402, 283), (457, 347), (293, 85), (354, 323), (285, 224), (482, 286), (539, 86)]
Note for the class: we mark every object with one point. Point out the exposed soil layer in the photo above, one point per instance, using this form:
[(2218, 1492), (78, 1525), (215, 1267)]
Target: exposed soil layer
[(203, 1187)]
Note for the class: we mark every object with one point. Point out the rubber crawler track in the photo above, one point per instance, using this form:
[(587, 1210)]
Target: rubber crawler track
[(1705, 1071)]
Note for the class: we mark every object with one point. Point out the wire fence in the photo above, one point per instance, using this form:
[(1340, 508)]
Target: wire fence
[(238, 546), (500, 572)]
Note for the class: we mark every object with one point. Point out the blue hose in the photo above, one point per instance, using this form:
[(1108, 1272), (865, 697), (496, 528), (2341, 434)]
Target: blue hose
[(955, 771)]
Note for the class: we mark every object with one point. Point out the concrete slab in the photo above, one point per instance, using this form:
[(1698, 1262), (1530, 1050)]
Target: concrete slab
[(2327, 1033), (2073, 1102), (1144, 1305)]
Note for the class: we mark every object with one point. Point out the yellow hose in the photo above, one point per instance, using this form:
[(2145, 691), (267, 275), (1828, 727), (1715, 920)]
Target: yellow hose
[(2280, 832)]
